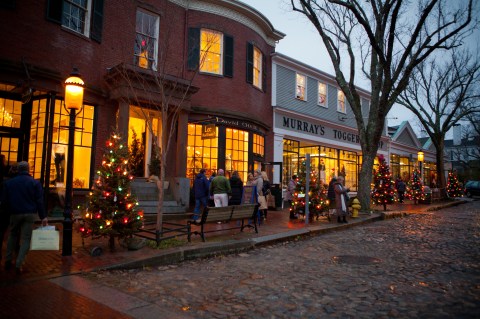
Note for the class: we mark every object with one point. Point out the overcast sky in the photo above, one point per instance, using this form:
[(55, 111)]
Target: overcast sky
[(303, 43)]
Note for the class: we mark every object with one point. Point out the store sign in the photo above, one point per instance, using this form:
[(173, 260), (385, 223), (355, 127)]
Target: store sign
[(208, 131), (237, 123), (324, 131)]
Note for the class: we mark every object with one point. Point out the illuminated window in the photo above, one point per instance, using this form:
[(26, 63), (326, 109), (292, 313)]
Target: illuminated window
[(146, 40), (341, 102), (301, 87), (236, 153), (211, 51), (257, 68), (201, 153), (83, 143), (10, 113), (258, 145), (322, 94)]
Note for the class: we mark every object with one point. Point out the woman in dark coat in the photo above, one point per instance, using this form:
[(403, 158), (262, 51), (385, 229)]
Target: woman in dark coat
[(236, 185), (340, 200)]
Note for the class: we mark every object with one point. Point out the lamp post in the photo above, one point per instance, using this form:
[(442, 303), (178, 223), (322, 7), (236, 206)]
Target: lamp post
[(420, 157), (73, 102)]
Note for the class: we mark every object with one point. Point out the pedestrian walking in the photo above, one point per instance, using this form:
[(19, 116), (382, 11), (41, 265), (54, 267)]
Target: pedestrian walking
[(200, 189), (220, 189), (258, 183), (236, 185), (331, 196), (401, 187), (266, 192), (341, 200), (292, 183), (210, 201), (23, 197)]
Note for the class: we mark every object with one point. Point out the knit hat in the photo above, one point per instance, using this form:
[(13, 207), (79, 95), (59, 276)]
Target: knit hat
[(22, 166)]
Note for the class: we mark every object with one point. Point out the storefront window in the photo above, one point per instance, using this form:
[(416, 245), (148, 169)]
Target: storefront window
[(83, 143), (258, 145), (236, 153), (348, 168), (10, 116), (201, 153)]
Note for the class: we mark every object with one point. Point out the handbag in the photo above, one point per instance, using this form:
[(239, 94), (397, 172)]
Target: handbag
[(263, 202), (45, 238)]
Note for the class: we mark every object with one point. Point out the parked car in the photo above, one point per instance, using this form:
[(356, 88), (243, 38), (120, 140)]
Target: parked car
[(472, 188)]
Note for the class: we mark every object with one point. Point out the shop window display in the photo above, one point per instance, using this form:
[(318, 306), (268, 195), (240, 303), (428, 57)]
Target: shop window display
[(236, 153), (201, 153)]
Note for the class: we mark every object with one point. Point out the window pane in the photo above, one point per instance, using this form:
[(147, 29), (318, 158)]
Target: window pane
[(257, 67), (211, 48)]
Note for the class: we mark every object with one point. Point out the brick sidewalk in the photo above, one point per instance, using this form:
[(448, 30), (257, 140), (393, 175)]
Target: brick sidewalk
[(49, 264)]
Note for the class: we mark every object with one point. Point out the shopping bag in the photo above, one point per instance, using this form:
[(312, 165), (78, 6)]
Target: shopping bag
[(45, 238)]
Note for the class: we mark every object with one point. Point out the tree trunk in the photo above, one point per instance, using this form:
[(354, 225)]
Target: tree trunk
[(365, 179), (441, 183)]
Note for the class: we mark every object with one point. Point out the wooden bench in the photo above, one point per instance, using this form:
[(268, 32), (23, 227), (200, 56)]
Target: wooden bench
[(225, 215)]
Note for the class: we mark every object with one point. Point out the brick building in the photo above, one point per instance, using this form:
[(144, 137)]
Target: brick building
[(208, 61)]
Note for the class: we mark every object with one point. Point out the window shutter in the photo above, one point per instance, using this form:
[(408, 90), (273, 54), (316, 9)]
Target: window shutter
[(250, 63), (54, 10), (97, 20), (193, 54), (264, 72), (7, 4), (228, 56)]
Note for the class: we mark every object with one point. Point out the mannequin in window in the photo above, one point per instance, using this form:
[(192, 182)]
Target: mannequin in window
[(59, 159), (322, 170)]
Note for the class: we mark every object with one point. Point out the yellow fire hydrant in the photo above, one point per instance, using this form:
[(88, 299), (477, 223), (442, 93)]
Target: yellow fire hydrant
[(355, 207)]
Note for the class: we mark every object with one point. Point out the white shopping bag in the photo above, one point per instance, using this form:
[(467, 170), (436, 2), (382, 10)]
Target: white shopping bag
[(45, 238)]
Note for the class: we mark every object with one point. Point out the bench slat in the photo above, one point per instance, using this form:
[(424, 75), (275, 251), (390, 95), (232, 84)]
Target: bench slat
[(243, 211)]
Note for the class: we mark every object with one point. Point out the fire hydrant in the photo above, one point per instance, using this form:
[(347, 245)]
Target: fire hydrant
[(355, 207)]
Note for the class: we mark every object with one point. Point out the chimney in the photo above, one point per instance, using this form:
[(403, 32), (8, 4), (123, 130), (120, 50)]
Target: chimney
[(457, 134)]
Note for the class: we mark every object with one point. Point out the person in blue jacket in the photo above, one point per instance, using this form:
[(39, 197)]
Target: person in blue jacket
[(22, 196), (200, 189)]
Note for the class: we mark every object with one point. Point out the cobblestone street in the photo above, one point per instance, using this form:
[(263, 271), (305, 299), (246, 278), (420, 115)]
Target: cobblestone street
[(420, 266)]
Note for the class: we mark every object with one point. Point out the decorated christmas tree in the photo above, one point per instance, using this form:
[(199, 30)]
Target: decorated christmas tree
[(111, 210), (414, 187), (383, 191), (136, 161), (453, 186), (318, 201)]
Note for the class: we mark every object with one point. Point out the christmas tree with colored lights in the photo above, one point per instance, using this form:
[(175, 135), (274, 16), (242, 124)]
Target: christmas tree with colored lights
[(453, 186), (383, 191), (111, 210), (317, 201), (414, 187), (137, 161)]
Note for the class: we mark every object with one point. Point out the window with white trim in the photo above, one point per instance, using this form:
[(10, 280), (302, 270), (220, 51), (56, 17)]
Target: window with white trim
[(257, 67), (76, 15), (146, 40), (301, 87), (82, 16), (322, 94), (211, 49), (341, 102)]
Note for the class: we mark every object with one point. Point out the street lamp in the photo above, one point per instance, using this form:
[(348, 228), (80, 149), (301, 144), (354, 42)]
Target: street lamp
[(73, 103), (420, 157)]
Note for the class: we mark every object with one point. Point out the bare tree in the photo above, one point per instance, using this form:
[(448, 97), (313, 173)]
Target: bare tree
[(467, 154), (442, 92), (392, 38), (162, 85)]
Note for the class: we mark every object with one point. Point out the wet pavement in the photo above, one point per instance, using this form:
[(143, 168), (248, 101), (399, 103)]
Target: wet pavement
[(251, 283)]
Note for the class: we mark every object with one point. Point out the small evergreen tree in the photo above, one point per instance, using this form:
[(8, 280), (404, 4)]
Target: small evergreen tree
[(414, 187), (318, 202), (383, 191), (137, 156), (111, 209), (453, 186)]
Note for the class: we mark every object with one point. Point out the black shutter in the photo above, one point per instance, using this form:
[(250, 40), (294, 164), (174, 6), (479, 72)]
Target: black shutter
[(97, 20), (7, 4), (55, 10), (249, 63), (193, 54), (228, 56), (264, 72)]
